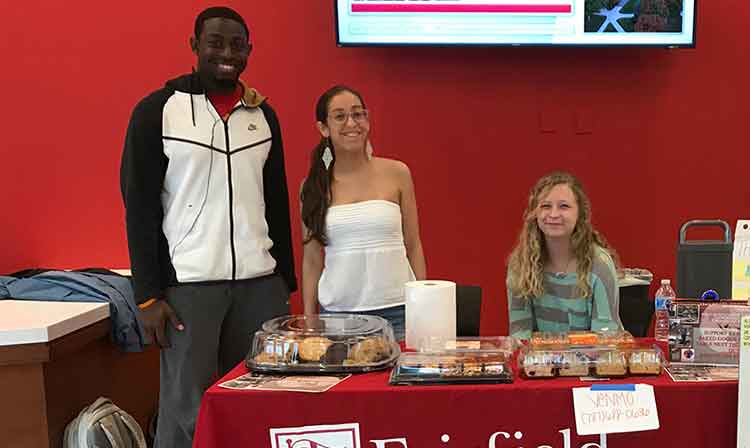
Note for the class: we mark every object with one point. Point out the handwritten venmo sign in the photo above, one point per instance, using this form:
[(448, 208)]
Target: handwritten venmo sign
[(613, 408)]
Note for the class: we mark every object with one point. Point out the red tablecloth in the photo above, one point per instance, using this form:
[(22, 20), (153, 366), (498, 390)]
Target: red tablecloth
[(534, 413)]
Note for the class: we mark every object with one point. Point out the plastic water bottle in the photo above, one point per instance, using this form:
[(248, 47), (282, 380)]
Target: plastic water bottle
[(663, 301)]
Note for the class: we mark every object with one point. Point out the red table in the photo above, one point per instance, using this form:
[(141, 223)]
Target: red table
[(533, 414)]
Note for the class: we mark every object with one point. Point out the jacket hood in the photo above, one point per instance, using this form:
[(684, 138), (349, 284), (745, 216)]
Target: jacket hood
[(191, 84)]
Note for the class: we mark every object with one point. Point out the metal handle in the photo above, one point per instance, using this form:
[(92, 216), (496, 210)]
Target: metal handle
[(706, 223)]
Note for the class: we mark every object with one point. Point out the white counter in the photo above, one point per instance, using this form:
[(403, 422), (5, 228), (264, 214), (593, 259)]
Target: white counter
[(31, 321)]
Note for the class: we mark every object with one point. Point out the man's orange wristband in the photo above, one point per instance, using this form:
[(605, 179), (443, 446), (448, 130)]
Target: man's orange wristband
[(146, 304)]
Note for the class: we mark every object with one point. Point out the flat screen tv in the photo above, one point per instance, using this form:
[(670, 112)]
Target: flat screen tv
[(665, 23)]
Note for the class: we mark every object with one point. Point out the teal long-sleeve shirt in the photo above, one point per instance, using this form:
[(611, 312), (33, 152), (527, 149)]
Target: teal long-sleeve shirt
[(559, 310)]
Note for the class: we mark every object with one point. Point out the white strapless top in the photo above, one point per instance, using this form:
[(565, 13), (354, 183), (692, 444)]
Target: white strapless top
[(365, 260)]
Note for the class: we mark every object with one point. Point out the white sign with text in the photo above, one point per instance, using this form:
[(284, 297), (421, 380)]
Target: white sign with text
[(743, 392), (614, 408), (741, 261)]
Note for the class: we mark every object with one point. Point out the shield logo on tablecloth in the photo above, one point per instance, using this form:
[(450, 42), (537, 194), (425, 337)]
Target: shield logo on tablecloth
[(318, 436)]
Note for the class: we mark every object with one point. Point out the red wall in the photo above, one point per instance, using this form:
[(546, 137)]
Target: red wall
[(657, 136)]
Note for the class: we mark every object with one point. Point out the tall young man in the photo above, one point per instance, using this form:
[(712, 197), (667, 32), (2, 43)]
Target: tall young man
[(207, 214)]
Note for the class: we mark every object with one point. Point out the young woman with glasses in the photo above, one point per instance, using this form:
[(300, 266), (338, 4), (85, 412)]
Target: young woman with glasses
[(359, 216)]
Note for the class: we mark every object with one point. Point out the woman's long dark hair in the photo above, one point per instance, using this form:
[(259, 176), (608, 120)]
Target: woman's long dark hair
[(316, 190)]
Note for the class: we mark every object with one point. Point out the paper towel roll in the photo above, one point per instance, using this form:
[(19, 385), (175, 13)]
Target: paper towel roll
[(430, 312)]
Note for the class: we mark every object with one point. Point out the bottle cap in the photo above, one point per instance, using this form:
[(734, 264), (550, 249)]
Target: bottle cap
[(665, 281), (710, 294)]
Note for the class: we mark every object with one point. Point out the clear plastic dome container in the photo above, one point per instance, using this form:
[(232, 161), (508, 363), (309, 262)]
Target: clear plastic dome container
[(325, 343), (460, 360), (600, 361)]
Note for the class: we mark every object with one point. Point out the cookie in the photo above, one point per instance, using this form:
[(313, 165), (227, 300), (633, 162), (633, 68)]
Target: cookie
[(336, 353), (313, 348), (266, 358), (371, 350)]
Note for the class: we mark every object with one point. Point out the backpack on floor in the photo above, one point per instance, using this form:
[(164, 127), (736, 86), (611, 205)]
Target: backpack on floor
[(103, 425)]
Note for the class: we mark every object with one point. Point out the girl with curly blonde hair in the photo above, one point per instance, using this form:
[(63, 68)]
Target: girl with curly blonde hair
[(562, 273)]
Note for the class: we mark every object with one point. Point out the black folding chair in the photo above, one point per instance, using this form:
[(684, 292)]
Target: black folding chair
[(468, 309)]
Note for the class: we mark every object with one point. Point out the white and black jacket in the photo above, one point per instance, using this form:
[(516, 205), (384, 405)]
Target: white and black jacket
[(206, 199)]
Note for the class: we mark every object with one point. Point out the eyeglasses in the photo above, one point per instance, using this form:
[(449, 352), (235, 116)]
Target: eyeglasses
[(341, 117)]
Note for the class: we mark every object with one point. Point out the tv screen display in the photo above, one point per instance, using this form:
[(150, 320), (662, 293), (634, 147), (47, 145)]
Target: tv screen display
[(666, 23)]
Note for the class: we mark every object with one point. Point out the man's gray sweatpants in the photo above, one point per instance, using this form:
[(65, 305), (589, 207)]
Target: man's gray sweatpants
[(220, 319)]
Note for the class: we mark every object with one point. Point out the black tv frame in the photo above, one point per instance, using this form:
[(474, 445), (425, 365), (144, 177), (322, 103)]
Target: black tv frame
[(490, 45)]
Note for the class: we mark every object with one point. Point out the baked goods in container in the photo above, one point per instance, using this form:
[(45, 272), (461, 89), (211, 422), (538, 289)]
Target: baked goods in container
[(336, 353), (369, 350), (539, 370), (313, 348), (573, 363), (496, 368), (267, 358), (326, 343), (276, 349), (644, 362), (482, 363), (472, 367), (540, 364), (616, 338), (611, 363), (615, 354)]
